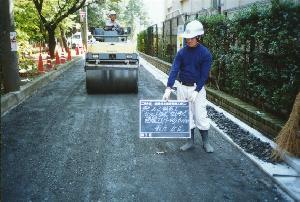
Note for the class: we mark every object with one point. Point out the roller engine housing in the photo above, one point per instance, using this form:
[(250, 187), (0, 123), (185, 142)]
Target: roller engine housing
[(111, 64)]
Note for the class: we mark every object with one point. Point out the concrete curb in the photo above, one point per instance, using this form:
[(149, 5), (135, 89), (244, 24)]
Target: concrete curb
[(283, 186), (292, 161), (12, 99)]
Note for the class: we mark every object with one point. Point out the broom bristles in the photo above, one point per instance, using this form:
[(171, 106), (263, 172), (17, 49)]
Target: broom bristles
[(288, 138)]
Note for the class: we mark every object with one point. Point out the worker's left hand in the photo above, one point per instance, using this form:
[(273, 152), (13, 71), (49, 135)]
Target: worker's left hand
[(193, 96)]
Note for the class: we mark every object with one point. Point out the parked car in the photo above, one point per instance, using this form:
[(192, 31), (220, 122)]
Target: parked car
[(76, 40)]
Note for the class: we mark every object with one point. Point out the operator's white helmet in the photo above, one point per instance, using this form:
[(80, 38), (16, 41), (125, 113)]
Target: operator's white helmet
[(112, 12), (193, 29)]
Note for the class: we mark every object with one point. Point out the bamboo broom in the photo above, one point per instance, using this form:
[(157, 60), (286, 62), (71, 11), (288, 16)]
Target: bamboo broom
[(288, 138)]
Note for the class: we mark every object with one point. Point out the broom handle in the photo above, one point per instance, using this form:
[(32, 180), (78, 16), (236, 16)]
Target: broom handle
[(280, 175)]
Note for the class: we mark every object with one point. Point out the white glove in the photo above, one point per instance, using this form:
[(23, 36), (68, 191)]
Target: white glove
[(167, 94), (193, 96)]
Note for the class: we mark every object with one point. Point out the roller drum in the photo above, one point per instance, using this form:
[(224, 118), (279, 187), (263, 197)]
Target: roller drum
[(116, 80)]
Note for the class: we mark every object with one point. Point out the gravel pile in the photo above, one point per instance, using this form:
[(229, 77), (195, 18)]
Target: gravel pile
[(244, 139)]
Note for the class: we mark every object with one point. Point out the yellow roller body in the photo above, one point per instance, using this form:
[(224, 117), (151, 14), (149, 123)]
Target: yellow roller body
[(111, 47), (112, 66)]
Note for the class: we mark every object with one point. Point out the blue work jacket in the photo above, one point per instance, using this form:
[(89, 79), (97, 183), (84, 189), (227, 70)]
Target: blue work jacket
[(191, 65)]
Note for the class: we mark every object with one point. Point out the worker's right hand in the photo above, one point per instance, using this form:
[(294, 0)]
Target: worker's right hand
[(167, 94)]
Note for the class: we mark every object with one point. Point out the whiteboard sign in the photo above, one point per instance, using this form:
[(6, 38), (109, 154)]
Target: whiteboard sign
[(164, 119)]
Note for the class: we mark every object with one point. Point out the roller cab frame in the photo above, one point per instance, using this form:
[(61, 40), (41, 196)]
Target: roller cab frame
[(111, 64)]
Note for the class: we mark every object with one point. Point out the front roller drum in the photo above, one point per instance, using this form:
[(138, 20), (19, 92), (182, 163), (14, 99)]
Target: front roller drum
[(112, 80)]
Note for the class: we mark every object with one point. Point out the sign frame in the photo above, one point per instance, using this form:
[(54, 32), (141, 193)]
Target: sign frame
[(147, 135), (82, 15)]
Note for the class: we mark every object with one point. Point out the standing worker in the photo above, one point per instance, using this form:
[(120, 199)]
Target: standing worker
[(192, 64)]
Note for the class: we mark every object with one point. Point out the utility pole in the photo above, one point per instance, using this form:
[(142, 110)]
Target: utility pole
[(8, 47), (84, 25)]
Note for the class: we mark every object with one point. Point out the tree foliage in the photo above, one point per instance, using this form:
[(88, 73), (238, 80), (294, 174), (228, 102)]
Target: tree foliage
[(53, 12), (28, 30), (129, 12), (27, 21), (47, 15), (95, 16), (134, 13)]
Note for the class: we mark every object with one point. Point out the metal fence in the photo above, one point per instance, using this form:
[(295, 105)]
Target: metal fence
[(161, 39)]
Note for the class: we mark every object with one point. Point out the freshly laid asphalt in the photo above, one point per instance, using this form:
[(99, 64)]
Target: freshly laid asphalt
[(63, 144)]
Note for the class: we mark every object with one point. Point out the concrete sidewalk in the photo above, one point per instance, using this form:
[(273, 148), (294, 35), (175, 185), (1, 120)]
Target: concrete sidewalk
[(12, 99)]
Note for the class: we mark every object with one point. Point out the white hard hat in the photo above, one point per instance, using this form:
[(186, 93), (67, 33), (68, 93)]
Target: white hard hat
[(112, 12), (193, 29)]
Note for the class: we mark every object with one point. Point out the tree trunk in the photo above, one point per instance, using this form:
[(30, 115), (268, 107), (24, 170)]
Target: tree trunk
[(63, 38), (51, 41), (8, 58), (66, 9)]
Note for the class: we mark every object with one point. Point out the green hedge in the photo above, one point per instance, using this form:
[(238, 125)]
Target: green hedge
[(255, 54), (141, 41)]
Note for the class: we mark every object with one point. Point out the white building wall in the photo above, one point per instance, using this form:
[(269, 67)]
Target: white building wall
[(194, 6), (187, 6)]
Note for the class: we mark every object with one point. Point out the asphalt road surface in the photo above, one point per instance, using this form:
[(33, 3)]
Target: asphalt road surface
[(62, 144)]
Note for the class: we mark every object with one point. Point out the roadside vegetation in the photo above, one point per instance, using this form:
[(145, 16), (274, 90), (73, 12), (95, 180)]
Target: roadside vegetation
[(257, 55), (44, 24)]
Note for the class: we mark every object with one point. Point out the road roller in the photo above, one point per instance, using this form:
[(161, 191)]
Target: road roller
[(111, 62)]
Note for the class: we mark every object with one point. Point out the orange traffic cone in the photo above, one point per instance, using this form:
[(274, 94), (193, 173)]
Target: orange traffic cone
[(77, 50), (49, 61), (57, 61), (69, 55), (40, 64), (62, 57)]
